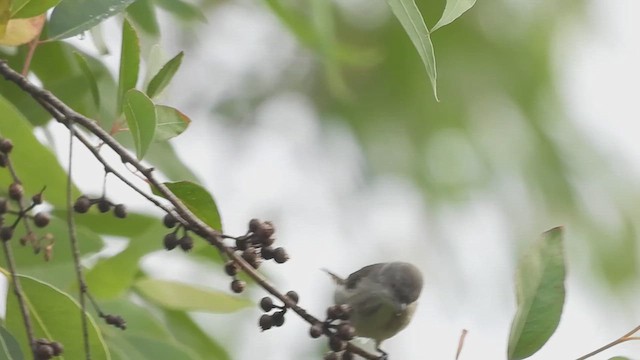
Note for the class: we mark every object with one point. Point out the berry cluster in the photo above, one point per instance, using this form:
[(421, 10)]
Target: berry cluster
[(115, 320), (84, 203), (267, 321), (171, 240), (45, 349), (339, 331)]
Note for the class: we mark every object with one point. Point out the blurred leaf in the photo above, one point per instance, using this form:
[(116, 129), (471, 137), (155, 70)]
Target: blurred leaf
[(143, 13), (540, 294), (182, 10), (93, 84), (620, 358), (31, 8), (72, 17), (180, 296), (164, 76), (140, 320), (196, 199), (22, 31), (129, 62), (187, 332), (97, 37), (453, 10), (30, 158), (137, 347), (9, 347), (407, 12), (141, 119), (54, 315), (5, 15), (171, 123)]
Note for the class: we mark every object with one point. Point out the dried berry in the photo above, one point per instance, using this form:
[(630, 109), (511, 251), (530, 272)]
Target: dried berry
[(237, 286), (266, 303), (336, 344), (6, 233), (37, 198), (16, 191), (253, 225), (231, 268), (242, 243), (268, 241), (345, 331), (169, 220), (280, 255), (343, 311), (104, 205), (316, 330), (186, 243), (82, 204), (267, 252), (264, 231), (249, 254), (278, 318), (6, 146), (293, 296), (116, 320), (41, 219), (331, 356), (120, 211), (347, 356), (58, 349), (43, 352), (265, 322), (170, 241)]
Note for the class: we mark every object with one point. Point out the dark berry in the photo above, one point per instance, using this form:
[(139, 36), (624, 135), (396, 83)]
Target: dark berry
[(186, 243), (37, 198), (16, 191), (230, 268), (268, 241), (6, 233), (41, 219), (249, 254), (280, 255), (267, 252), (6, 146), (3, 160), (57, 348), (169, 220), (347, 356), (242, 243), (253, 225), (331, 356), (345, 331), (82, 204), (43, 352), (266, 303), (237, 286), (3, 205), (104, 205), (116, 320), (336, 344), (293, 296), (170, 241), (316, 330), (278, 318), (120, 211), (266, 322), (264, 231), (344, 311)]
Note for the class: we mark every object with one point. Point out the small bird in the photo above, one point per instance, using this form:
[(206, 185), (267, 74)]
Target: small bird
[(382, 297)]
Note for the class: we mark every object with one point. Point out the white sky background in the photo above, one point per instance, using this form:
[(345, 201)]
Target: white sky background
[(309, 180)]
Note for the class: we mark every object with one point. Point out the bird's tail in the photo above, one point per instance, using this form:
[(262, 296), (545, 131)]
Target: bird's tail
[(337, 279)]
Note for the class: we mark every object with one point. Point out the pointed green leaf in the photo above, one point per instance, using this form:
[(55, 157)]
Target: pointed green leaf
[(141, 119), (196, 199), (72, 17), (143, 13), (164, 76), (540, 294), (453, 10), (29, 8), (171, 122), (129, 62), (88, 74), (9, 347), (407, 12), (180, 296), (55, 315)]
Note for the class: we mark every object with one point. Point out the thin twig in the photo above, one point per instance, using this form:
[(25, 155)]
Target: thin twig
[(73, 241), (620, 340), (463, 336), (195, 224)]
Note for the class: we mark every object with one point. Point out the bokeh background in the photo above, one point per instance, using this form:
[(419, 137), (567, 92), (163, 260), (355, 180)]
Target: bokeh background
[(319, 116)]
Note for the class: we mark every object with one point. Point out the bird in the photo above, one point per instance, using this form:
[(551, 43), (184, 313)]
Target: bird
[(382, 298)]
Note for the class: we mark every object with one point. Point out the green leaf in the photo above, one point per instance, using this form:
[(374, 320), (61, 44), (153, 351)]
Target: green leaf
[(72, 17), (5, 15), (453, 10), (171, 123), (129, 62), (187, 332), (137, 347), (9, 347), (93, 83), (182, 10), (30, 8), (540, 294), (143, 13), (407, 12), (180, 296), (30, 158), (196, 199), (164, 76), (140, 113), (620, 358), (55, 315)]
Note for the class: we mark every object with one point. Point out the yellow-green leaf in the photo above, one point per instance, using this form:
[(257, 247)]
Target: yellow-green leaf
[(140, 113)]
